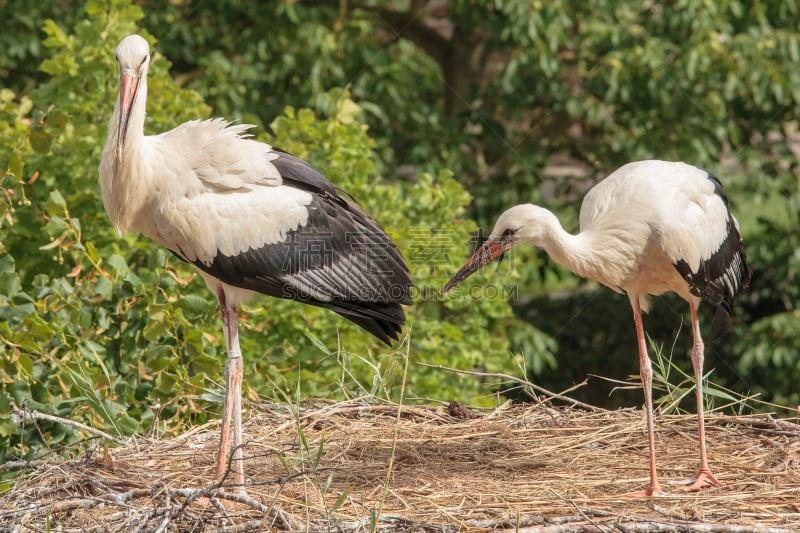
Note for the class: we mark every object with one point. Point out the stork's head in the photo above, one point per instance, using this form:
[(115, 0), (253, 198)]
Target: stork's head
[(133, 58), (521, 223)]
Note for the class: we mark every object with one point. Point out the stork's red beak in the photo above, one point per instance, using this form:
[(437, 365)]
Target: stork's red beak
[(128, 86), (488, 252)]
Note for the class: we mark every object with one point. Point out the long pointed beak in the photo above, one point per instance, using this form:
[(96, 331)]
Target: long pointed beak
[(488, 252), (128, 87)]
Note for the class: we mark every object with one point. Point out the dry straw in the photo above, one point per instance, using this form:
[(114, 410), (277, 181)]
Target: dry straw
[(325, 466)]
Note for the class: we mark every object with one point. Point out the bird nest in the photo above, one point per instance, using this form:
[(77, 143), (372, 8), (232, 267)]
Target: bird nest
[(366, 467)]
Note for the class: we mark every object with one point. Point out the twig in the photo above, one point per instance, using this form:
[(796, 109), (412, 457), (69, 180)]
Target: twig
[(284, 520), (406, 410), (669, 514), (583, 512), (14, 465), (654, 527), (521, 381), (25, 414), (571, 528), (523, 521), (165, 522), (122, 499), (72, 504), (287, 521), (193, 494), (245, 527)]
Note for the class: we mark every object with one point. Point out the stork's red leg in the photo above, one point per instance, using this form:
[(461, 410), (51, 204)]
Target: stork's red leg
[(704, 478), (232, 409), (646, 372)]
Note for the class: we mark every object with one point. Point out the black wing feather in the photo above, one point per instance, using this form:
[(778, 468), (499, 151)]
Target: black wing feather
[(341, 252), (299, 174), (720, 277)]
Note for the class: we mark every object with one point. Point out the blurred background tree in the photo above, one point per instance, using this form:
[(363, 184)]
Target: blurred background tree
[(437, 115)]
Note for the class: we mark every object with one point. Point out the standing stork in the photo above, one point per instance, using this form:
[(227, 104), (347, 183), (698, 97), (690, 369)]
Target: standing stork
[(252, 219), (650, 227)]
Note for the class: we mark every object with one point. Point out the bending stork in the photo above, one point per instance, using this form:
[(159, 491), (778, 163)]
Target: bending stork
[(251, 218), (650, 227)]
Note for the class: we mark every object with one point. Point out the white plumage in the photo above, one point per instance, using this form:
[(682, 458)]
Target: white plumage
[(252, 218), (648, 228)]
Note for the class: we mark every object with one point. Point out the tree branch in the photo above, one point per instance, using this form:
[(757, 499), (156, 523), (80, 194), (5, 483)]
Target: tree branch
[(410, 25), (24, 414)]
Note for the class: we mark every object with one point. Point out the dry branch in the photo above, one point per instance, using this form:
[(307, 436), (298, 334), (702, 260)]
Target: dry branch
[(649, 527), (22, 415)]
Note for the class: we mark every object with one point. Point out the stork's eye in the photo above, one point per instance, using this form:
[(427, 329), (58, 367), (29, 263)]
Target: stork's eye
[(509, 232), (144, 60)]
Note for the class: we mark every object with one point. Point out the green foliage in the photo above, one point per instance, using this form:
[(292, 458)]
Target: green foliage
[(112, 331), (20, 39)]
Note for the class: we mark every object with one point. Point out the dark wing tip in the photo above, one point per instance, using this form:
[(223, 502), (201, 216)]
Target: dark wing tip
[(719, 278), (723, 318), (383, 320)]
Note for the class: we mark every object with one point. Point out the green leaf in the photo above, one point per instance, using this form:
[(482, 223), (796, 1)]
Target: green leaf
[(56, 199), (41, 139), (57, 119), (92, 251), (158, 324), (10, 284), (195, 303), (56, 37), (348, 111), (37, 327), (104, 287), (95, 7), (15, 166)]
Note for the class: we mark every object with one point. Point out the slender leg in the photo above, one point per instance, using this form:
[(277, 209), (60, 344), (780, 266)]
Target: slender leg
[(232, 409), (654, 489), (704, 478)]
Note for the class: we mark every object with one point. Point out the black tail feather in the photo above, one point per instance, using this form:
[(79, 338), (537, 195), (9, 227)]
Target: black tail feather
[(723, 318), (385, 330), (384, 320)]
